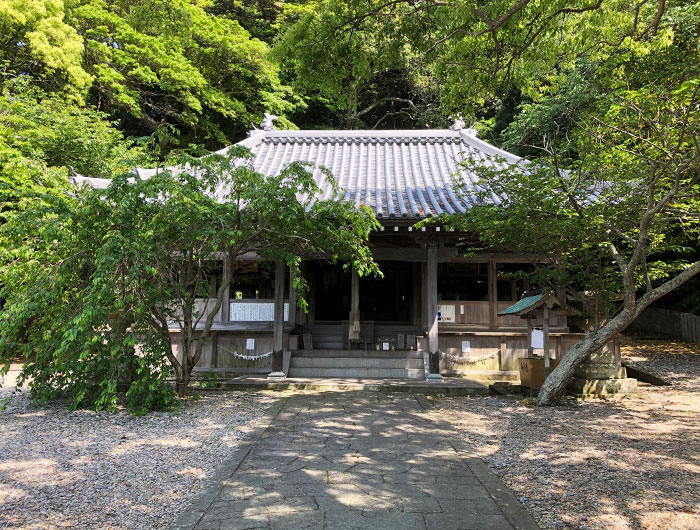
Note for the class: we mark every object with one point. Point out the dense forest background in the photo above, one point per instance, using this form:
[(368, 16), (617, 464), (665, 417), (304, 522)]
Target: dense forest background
[(96, 87)]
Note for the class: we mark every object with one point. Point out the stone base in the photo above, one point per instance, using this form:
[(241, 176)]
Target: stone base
[(600, 371), (434, 378), (602, 387), (276, 376)]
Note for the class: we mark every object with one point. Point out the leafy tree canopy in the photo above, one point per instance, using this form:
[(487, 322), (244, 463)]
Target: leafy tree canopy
[(37, 40), (611, 208), (471, 50), (47, 128), (172, 62), (90, 276)]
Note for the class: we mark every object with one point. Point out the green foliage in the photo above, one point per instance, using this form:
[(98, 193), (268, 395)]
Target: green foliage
[(170, 62), (263, 19), (64, 312), (94, 280), (36, 40), (620, 216), (472, 52), (49, 129), (220, 205)]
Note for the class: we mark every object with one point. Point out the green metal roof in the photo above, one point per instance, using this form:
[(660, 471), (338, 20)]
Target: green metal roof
[(524, 304)]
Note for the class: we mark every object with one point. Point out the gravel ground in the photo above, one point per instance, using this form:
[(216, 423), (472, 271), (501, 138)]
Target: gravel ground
[(81, 469), (632, 463)]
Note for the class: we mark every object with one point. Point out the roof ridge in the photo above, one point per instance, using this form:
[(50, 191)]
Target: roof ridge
[(362, 133)]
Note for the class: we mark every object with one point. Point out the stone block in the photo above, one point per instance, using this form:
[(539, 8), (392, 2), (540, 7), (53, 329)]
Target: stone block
[(605, 355), (602, 387), (600, 371)]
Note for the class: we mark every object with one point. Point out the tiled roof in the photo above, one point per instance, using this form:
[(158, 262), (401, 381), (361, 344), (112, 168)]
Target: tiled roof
[(399, 174)]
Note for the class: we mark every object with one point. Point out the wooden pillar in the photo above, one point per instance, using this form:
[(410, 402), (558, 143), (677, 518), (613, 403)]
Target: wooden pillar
[(214, 349), (493, 295), (431, 283), (545, 339), (354, 317), (292, 302), (424, 296), (529, 334), (226, 300), (278, 326), (503, 350), (416, 304)]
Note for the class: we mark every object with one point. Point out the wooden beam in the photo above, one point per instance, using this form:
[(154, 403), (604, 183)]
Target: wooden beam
[(424, 296), (355, 291), (431, 292), (214, 349), (416, 255)]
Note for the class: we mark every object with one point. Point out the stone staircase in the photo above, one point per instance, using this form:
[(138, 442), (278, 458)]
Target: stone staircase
[(374, 364)]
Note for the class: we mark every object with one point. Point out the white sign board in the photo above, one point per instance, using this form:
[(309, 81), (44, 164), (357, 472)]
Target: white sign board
[(466, 346), (537, 338), (255, 312), (385, 346), (250, 344), (446, 313)]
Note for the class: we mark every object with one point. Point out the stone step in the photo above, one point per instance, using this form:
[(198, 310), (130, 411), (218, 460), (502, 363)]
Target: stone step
[(339, 352), (378, 373), (355, 362)]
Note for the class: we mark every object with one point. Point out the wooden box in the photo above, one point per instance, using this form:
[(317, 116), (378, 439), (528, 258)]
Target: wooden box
[(532, 371)]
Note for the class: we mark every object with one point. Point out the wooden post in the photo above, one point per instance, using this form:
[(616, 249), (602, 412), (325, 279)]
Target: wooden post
[(433, 337), (424, 295), (493, 295), (416, 303), (292, 302), (214, 349), (545, 340), (354, 318), (503, 350), (529, 334), (278, 326), (226, 300)]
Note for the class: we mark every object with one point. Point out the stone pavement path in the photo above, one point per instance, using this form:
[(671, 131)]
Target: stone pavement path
[(354, 460)]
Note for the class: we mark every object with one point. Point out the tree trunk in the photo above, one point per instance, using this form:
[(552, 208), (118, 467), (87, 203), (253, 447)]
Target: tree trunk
[(182, 381), (555, 385)]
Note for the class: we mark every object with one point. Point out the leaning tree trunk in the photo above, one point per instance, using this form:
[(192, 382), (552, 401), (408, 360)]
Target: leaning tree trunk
[(554, 386)]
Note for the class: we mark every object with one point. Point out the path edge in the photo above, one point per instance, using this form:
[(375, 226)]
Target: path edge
[(513, 510), (199, 503)]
